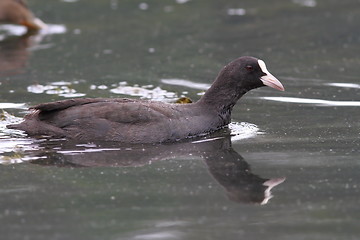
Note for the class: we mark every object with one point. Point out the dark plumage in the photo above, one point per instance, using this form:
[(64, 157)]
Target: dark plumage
[(142, 121)]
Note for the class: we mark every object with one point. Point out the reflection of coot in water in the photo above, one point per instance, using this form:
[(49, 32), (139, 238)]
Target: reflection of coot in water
[(234, 174), (17, 12), (141, 121), (227, 167)]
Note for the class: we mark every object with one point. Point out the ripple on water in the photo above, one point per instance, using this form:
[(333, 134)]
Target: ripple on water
[(69, 89), (16, 30), (159, 235), (306, 3), (13, 143), (238, 131), (344, 85), (13, 106), (314, 102), (186, 83), (63, 89), (243, 130), (148, 92)]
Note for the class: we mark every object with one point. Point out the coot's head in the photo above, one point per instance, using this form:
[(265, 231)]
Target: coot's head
[(251, 73)]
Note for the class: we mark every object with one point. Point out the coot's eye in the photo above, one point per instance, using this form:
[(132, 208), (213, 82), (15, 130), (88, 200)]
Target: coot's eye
[(249, 67)]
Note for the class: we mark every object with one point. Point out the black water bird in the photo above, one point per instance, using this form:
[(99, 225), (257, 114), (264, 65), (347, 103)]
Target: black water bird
[(144, 121)]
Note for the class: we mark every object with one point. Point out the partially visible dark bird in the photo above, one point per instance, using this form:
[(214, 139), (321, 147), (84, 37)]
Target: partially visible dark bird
[(17, 12)]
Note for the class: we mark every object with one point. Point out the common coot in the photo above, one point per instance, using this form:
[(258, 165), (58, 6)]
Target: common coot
[(142, 121)]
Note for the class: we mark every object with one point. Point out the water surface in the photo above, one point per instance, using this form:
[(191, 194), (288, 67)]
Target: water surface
[(289, 170)]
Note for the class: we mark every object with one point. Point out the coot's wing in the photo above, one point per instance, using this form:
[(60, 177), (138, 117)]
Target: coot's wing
[(63, 104), (111, 119), (117, 110), (130, 120)]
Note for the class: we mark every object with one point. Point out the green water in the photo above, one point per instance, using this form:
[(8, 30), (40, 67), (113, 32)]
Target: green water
[(308, 134)]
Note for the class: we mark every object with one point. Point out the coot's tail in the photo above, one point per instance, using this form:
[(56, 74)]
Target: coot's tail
[(38, 128)]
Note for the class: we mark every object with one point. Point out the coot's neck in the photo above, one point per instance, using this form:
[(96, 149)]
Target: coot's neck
[(223, 95)]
